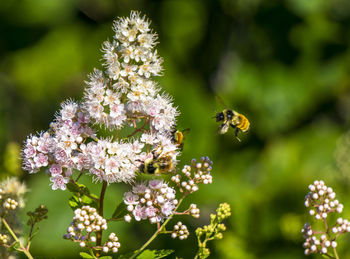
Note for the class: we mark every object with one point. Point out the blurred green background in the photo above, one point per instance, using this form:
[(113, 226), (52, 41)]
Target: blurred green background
[(284, 64)]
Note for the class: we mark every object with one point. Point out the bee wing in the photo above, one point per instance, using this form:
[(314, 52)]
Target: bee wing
[(223, 128), (219, 99), (185, 131)]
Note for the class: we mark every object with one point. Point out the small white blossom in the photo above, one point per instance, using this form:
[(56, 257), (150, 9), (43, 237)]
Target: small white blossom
[(155, 204)]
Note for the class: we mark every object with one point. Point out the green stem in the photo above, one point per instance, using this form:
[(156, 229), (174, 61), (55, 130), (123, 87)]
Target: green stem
[(330, 237), (208, 237), (23, 249), (100, 212), (335, 253), (159, 230), (30, 236)]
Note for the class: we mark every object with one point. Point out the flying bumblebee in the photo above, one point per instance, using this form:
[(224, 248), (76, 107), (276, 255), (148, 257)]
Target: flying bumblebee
[(234, 119), (177, 137), (157, 164)]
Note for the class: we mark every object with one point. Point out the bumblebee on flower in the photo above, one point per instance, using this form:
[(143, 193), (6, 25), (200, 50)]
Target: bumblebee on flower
[(139, 121)]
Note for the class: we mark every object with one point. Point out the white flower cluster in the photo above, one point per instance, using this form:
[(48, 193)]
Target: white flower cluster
[(86, 222), (154, 201), (113, 161), (123, 95), (125, 91), (111, 244), (195, 174), (180, 230), (10, 204), (322, 200), (59, 149), (99, 100), (313, 244)]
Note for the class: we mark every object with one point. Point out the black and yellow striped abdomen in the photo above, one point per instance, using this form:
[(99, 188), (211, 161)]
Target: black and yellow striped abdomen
[(243, 124)]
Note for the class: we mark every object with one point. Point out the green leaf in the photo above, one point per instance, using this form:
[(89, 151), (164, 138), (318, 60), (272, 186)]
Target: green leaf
[(74, 203), (105, 257), (81, 196), (126, 256), (164, 253), (83, 188), (86, 200), (78, 188), (154, 254), (86, 255), (94, 195), (120, 211), (72, 187), (78, 200)]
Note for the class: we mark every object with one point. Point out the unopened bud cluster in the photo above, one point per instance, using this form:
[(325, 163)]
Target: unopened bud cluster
[(342, 226), (322, 200), (224, 211), (194, 211), (314, 244), (85, 222), (10, 204), (154, 201), (3, 239), (213, 230), (197, 172), (11, 195), (112, 244), (215, 226), (180, 231)]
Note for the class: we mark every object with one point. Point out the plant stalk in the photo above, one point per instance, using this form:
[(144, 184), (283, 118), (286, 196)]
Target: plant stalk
[(335, 253), (22, 248), (100, 212), (159, 230)]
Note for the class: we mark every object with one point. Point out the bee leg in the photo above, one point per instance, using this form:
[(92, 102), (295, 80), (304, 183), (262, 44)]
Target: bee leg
[(233, 126), (181, 146), (236, 131)]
